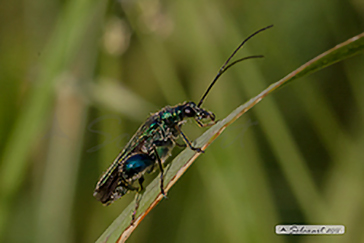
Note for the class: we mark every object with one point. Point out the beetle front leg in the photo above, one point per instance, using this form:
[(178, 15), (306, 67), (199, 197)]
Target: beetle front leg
[(187, 141), (209, 124), (181, 145), (208, 115)]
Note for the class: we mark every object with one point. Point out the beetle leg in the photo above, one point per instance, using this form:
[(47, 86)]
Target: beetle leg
[(128, 185), (138, 198), (141, 180), (161, 169), (207, 115), (180, 145), (209, 124), (187, 141)]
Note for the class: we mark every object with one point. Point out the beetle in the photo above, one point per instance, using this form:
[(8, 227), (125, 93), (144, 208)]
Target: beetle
[(153, 142)]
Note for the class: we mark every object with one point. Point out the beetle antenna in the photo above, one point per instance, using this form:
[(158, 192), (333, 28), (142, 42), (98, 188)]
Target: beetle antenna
[(226, 65)]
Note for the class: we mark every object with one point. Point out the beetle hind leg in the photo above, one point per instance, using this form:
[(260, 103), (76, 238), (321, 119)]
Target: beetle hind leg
[(138, 198), (141, 180)]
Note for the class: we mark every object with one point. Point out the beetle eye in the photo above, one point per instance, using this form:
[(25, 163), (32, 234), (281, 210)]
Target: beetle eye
[(189, 112)]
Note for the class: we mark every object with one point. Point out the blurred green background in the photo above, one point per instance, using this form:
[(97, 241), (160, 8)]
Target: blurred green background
[(79, 77)]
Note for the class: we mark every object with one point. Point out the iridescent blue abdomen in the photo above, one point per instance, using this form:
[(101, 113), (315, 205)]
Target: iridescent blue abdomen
[(136, 164)]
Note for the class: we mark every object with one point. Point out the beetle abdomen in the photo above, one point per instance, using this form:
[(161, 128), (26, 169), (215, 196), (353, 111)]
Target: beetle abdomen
[(136, 165)]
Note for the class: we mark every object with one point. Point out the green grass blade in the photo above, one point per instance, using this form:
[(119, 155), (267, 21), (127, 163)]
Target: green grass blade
[(121, 229), (57, 58)]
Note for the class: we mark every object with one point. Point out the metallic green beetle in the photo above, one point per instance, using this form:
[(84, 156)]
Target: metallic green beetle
[(154, 141)]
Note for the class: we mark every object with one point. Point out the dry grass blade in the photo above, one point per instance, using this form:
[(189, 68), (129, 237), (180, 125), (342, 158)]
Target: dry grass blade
[(121, 229)]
